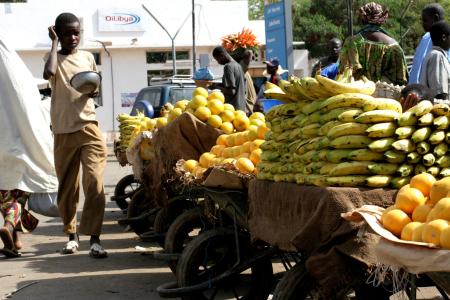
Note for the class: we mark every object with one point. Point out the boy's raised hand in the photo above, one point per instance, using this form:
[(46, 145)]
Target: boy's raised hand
[(52, 33)]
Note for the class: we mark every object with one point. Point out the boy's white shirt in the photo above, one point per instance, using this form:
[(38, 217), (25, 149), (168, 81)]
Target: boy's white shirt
[(26, 144)]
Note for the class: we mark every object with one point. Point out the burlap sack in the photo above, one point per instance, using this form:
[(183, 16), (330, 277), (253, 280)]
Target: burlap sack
[(185, 138), (308, 219)]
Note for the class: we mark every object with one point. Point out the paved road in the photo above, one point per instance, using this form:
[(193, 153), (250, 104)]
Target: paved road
[(49, 275), (42, 273)]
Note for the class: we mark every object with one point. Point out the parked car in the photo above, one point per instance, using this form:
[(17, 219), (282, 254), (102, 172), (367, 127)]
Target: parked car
[(151, 99)]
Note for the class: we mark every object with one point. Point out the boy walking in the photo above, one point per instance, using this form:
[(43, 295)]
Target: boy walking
[(77, 138), (435, 72)]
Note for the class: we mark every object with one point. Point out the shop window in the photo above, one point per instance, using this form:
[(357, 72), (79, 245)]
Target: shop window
[(97, 58), (163, 56), (165, 73)]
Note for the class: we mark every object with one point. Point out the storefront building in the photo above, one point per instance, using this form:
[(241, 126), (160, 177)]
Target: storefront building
[(129, 46)]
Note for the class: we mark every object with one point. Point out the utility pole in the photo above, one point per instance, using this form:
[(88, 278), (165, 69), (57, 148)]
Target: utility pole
[(193, 38), (172, 38), (350, 17)]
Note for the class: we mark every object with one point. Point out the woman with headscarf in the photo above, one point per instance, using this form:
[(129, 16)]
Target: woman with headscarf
[(372, 52)]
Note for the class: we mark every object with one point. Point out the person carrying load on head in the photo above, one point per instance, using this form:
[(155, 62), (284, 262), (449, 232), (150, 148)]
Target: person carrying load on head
[(372, 52)]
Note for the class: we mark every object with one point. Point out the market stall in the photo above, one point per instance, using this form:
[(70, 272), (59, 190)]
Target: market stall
[(307, 219)]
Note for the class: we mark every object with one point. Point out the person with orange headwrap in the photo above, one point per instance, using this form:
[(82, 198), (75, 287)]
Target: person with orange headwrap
[(372, 51)]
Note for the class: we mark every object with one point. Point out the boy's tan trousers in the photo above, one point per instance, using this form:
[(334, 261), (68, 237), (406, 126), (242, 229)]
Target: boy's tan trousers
[(87, 147)]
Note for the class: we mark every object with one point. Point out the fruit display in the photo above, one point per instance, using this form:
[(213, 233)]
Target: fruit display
[(344, 140), (207, 107), (421, 212), (352, 139), (242, 149), (317, 88)]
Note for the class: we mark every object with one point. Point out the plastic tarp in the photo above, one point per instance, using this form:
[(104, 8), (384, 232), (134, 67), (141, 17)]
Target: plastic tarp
[(26, 143)]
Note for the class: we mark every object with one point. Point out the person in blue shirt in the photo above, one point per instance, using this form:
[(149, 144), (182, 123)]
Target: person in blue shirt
[(431, 14)]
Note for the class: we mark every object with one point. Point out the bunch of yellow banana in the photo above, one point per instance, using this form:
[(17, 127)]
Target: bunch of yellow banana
[(346, 84)]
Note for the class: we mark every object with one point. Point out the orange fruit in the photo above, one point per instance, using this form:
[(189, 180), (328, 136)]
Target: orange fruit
[(262, 131), (432, 215), (408, 199), (197, 101), (394, 221), (190, 165), (202, 113), (245, 165), (407, 231), (217, 150), (439, 190), (215, 106), (216, 95), (443, 209), (417, 233), (227, 116), (386, 211), (256, 144), (227, 152), (423, 182), (241, 122), (227, 127), (214, 121), (445, 238), (222, 139), (432, 231), (255, 156), (206, 159), (421, 212), (200, 91)]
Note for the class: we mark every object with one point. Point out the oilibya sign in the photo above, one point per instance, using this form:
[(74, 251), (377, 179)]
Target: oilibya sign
[(120, 19)]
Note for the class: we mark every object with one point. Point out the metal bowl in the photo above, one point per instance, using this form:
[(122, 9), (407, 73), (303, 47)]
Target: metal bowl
[(86, 82)]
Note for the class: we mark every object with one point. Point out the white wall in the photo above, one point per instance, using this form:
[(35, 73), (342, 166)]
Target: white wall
[(25, 28)]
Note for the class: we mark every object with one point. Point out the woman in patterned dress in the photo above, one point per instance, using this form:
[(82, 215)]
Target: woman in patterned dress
[(372, 52)]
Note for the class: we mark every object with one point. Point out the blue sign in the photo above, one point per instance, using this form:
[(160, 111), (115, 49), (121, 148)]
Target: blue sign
[(276, 33)]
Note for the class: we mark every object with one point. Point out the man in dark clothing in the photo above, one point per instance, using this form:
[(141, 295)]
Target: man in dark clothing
[(233, 83), (272, 69), (334, 47)]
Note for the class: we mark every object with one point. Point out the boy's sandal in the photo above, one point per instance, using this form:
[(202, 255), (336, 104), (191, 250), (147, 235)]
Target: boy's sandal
[(97, 251), (70, 248), (10, 253)]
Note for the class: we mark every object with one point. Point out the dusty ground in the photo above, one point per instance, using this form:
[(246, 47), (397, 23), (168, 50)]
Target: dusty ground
[(42, 273), (46, 274)]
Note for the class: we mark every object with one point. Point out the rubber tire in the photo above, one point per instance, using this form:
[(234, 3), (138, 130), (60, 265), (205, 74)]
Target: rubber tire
[(180, 228), (140, 205), (167, 215), (296, 284), (120, 188), (262, 272)]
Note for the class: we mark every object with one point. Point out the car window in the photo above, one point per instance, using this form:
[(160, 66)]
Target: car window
[(177, 94), (152, 95)]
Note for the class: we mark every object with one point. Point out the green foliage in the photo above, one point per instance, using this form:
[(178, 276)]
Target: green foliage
[(317, 21)]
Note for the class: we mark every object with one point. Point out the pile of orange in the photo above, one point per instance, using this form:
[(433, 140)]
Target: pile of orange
[(421, 212)]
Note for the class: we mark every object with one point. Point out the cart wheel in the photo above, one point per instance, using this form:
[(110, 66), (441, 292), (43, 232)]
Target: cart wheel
[(296, 284), (167, 215), (214, 252), (138, 206), (185, 227), (125, 188)]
